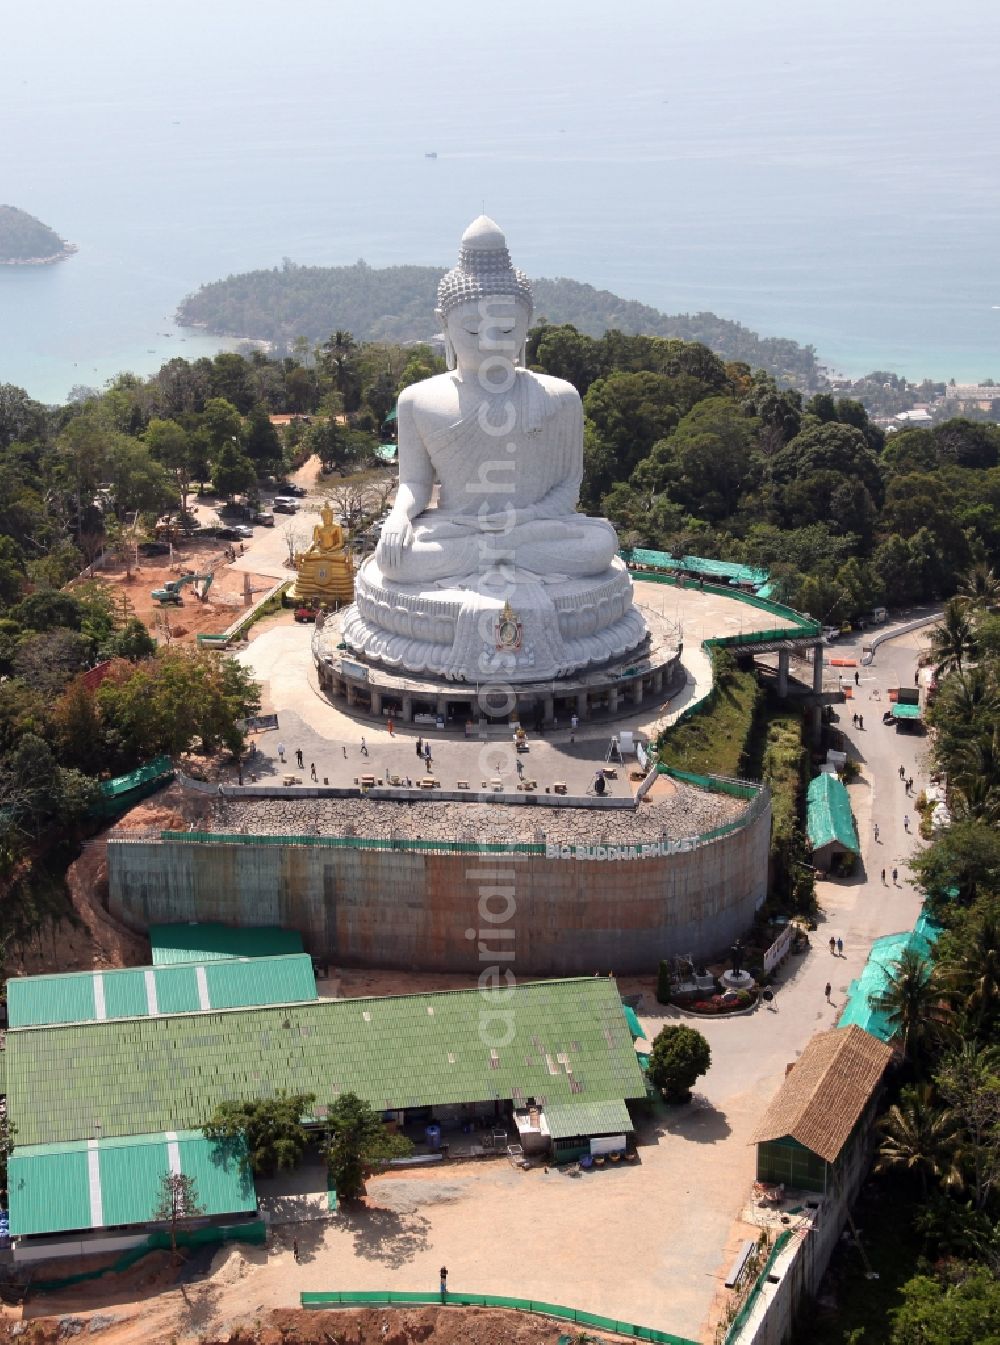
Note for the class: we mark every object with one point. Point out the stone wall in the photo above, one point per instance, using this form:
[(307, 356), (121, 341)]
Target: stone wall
[(412, 910)]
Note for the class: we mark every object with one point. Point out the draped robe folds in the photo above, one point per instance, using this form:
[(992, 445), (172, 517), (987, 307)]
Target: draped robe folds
[(528, 480)]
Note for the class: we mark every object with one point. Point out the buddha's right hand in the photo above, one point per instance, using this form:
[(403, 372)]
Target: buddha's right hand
[(396, 540)]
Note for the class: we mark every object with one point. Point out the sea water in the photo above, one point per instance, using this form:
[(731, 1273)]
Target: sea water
[(826, 173)]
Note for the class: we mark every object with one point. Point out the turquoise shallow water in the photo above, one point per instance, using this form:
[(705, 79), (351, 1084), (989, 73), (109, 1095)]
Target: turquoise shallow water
[(832, 177)]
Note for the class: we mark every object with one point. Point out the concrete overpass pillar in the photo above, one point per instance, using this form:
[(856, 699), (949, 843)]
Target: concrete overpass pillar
[(613, 700), (782, 673), (582, 706), (407, 712), (376, 702), (817, 669), (549, 709)]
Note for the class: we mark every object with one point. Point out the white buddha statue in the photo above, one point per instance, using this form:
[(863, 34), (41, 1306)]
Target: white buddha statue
[(503, 538)]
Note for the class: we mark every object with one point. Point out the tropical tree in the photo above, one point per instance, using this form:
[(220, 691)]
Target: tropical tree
[(981, 588), (919, 1139), (357, 1143), (971, 974), (913, 1002), (680, 1056), (966, 1312), (178, 1201), (953, 639), (272, 1129), (969, 1082)]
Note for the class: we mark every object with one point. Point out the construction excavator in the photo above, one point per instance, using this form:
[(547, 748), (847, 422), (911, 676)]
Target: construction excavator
[(170, 593)]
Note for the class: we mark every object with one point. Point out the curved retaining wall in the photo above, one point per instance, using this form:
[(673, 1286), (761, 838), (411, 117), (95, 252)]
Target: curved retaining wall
[(553, 911)]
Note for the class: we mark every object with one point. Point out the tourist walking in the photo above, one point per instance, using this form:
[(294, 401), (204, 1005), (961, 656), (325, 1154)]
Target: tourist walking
[(876, 833), (857, 679), (895, 875), (427, 755), (298, 757), (295, 1250), (391, 727), (312, 770), (861, 722), (364, 748), (883, 877), (281, 752), (827, 991), (909, 784), (906, 821), (444, 1283), (420, 747), (840, 947), (902, 772), (833, 944)]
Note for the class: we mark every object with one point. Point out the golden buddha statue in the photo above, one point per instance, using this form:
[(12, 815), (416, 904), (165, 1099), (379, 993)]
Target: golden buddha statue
[(326, 575)]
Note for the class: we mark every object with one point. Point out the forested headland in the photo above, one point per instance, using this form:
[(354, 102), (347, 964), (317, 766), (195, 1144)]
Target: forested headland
[(396, 303), (26, 241)]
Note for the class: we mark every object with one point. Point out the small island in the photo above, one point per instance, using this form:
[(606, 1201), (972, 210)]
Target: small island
[(26, 241)]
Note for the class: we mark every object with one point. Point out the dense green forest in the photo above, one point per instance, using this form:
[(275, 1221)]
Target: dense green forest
[(24, 238), (397, 304)]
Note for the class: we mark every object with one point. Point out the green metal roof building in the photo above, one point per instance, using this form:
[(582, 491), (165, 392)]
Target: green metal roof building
[(140, 992), (106, 1183), (557, 1041), (207, 942)]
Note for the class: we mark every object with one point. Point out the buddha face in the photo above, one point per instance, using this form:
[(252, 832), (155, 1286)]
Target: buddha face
[(488, 336)]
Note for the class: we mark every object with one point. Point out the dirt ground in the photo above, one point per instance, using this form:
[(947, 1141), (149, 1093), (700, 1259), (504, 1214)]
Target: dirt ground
[(366, 1326), (93, 939), (225, 601)]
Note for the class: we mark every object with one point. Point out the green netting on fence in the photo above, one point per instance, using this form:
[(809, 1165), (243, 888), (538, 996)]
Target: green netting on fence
[(716, 784), (800, 625), (389, 1298), (254, 1232), (740, 1320)]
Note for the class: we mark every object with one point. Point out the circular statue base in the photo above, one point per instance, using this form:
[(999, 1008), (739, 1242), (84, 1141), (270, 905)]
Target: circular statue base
[(737, 980), (617, 687)]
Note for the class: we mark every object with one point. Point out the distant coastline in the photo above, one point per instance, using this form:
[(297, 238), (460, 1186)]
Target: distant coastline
[(66, 250), (26, 241)]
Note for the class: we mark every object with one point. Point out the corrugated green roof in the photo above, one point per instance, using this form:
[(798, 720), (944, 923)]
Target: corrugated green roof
[(208, 942), (864, 995), (567, 1120), (828, 814), (140, 992), (559, 1040), (61, 1188)]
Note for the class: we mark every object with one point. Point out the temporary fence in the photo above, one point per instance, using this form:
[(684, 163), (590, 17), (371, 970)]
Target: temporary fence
[(454, 1299), (254, 1232)]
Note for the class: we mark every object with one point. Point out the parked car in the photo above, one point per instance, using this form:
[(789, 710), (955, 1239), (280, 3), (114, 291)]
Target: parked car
[(154, 548), (293, 488), (305, 614), (264, 517), (235, 532), (284, 504)]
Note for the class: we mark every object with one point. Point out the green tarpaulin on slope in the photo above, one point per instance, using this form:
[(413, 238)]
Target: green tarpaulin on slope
[(124, 784), (864, 996), (634, 1026), (828, 815)]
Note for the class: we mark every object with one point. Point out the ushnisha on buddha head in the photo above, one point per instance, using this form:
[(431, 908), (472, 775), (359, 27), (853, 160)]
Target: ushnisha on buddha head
[(485, 304)]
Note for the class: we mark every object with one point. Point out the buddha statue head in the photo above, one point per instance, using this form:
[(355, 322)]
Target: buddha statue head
[(484, 302)]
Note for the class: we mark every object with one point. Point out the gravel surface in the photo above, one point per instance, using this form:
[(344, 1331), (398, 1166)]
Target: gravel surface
[(686, 812)]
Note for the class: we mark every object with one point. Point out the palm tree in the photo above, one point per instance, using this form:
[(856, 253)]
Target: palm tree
[(981, 588), (953, 639), (919, 1139), (972, 979), (914, 1004), (975, 778)]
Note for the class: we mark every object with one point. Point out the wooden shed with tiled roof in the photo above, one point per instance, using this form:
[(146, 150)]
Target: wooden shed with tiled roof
[(825, 1104)]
